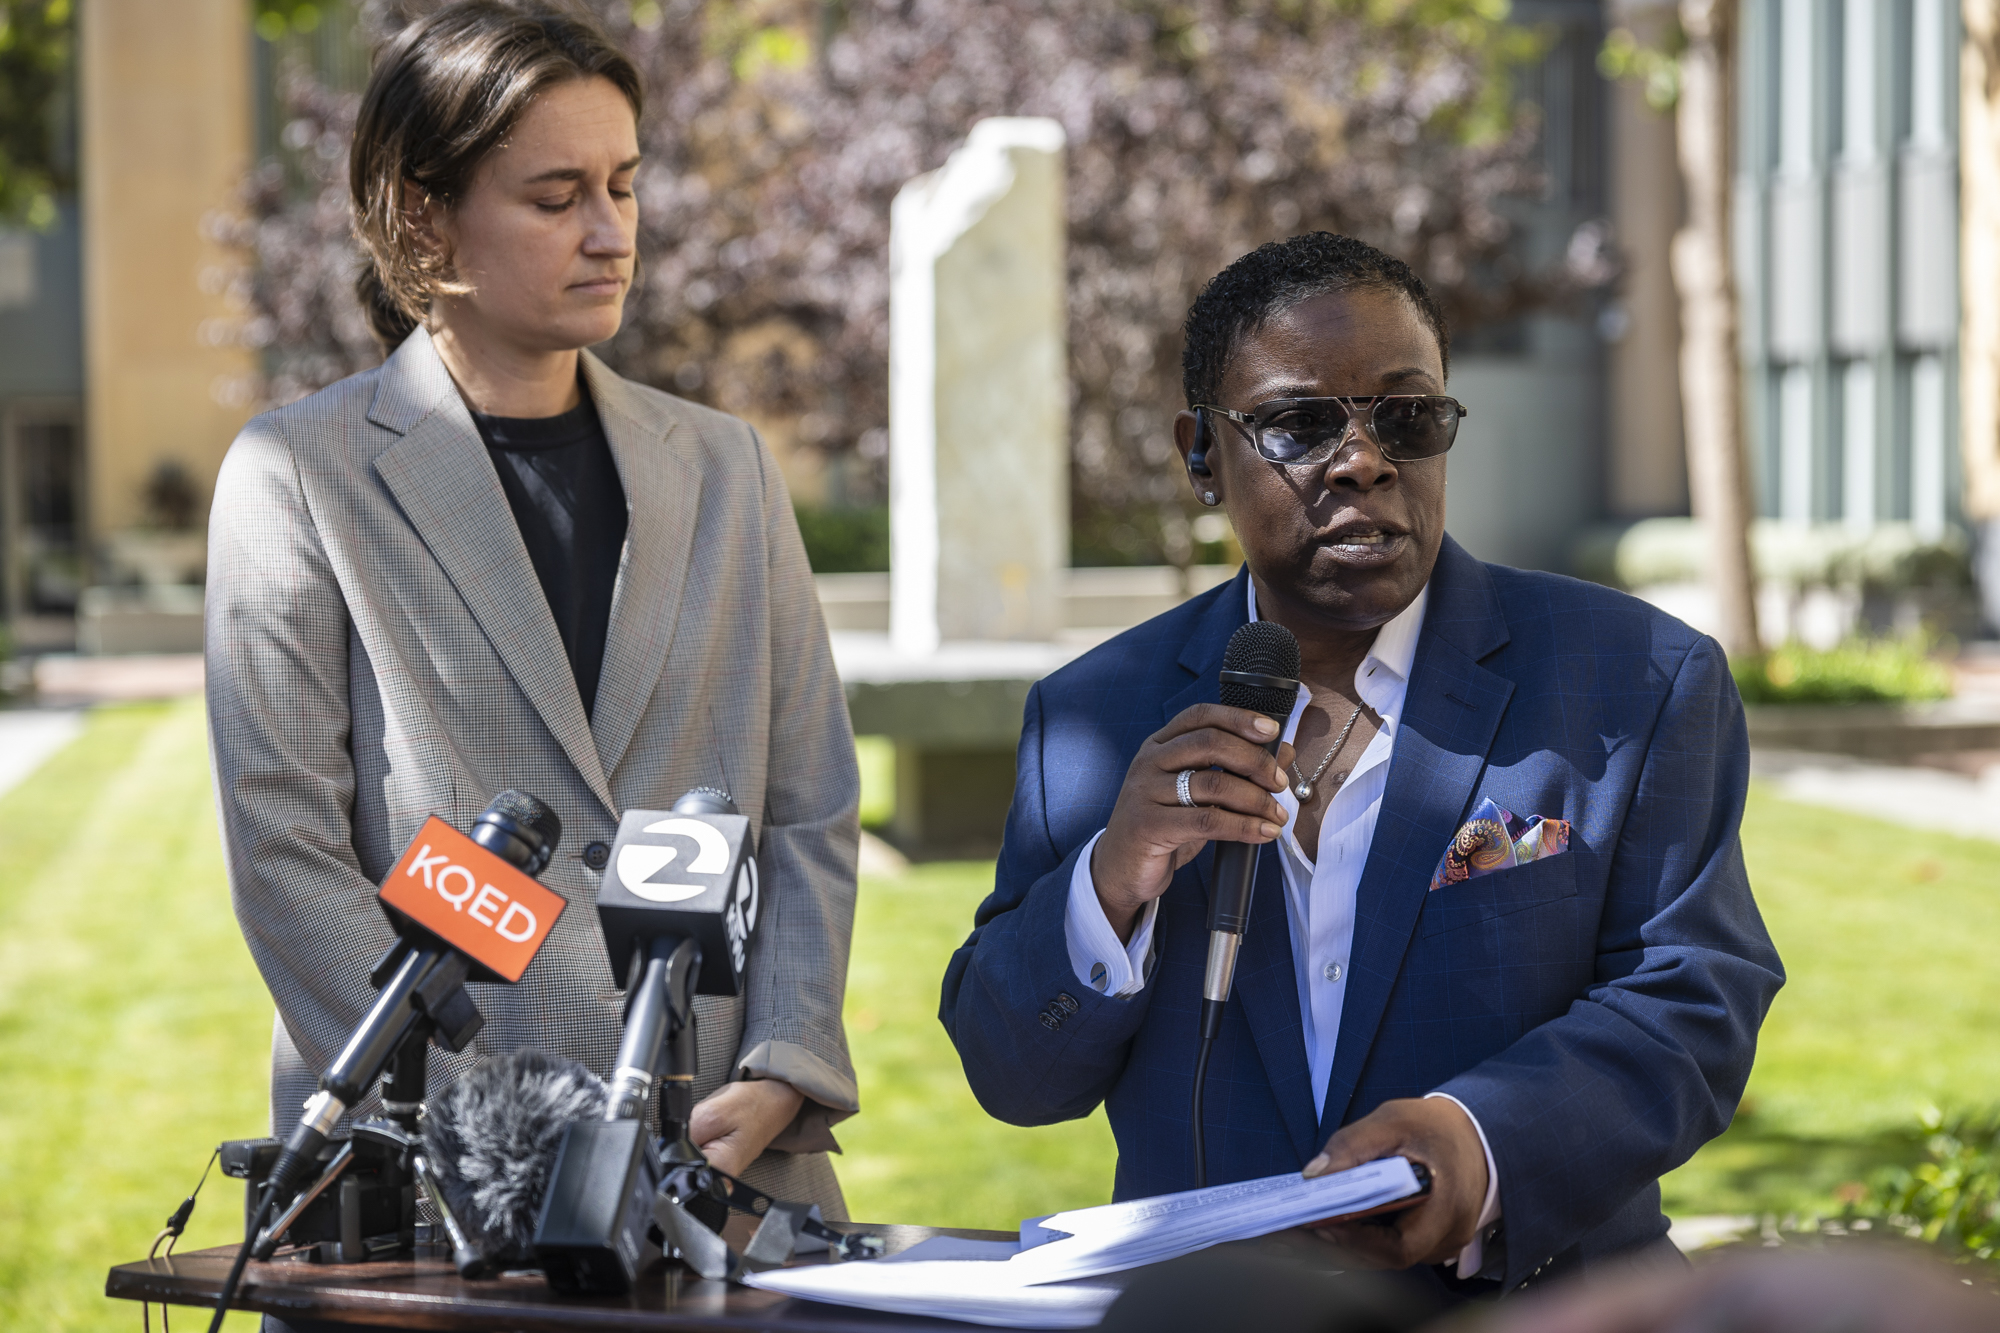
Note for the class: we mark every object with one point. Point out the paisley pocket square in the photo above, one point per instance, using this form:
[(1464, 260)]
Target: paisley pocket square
[(1496, 839)]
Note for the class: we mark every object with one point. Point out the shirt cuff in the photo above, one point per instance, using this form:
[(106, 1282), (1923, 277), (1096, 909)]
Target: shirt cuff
[(1473, 1257), (1095, 955)]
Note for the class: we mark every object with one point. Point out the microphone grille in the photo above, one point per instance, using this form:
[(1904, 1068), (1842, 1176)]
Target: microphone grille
[(527, 819), (706, 801), (1262, 648)]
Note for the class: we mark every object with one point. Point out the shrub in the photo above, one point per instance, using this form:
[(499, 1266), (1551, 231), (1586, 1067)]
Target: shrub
[(1858, 671), (845, 541), (1951, 1199)]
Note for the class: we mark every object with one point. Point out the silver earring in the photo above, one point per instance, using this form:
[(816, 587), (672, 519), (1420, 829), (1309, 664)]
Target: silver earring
[(1208, 497)]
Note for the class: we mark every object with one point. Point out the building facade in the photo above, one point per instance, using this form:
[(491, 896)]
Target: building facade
[(1847, 258)]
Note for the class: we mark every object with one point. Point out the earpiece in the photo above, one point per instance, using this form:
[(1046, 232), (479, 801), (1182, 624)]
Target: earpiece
[(1197, 459)]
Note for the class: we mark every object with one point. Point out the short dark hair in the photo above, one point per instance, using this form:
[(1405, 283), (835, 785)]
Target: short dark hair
[(446, 91), (1277, 276)]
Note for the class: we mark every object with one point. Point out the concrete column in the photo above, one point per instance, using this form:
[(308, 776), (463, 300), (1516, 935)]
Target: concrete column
[(979, 393), (166, 127)]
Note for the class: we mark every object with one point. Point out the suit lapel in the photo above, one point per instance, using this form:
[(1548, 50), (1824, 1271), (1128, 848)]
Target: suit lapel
[(441, 476), (662, 497), (1450, 713), (1266, 980), (1201, 655)]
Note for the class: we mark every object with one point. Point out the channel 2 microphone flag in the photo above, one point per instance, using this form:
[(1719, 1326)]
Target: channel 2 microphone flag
[(471, 899)]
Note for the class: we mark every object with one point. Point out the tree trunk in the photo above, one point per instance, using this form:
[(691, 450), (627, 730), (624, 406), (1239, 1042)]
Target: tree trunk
[(1979, 186), (1711, 382)]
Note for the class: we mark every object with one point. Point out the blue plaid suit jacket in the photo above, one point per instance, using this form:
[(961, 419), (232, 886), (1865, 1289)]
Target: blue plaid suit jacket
[(1598, 1010)]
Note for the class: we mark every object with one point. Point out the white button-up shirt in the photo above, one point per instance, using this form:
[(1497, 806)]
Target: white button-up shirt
[(1319, 889)]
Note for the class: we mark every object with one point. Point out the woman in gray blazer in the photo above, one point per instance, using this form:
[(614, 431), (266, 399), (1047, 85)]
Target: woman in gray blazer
[(494, 563)]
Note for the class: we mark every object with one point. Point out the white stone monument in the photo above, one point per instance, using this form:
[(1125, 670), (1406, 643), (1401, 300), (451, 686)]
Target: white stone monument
[(979, 393)]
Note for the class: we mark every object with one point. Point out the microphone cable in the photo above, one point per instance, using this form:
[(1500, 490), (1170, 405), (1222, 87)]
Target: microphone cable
[(250, 1235), (1201, 1082), (171, 1234)]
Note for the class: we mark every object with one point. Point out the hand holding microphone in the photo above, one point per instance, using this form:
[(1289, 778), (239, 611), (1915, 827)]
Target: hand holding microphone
[(1234, 765), (1209, 775)]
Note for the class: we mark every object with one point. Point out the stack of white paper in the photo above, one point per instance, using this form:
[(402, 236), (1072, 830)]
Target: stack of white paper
[(1048, 1283)]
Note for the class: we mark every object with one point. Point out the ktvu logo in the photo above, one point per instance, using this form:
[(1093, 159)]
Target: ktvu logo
[(510, 920), (639, 862)]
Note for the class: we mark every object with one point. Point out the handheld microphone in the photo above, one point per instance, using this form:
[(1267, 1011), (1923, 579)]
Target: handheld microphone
[(464, 909), (679, 927), (1260, 670)]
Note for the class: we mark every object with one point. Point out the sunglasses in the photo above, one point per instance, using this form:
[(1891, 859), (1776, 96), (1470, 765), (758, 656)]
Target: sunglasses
[(1305, 432)]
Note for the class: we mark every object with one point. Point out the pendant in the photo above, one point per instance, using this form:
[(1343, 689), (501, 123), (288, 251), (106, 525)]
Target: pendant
[(1304, 791)]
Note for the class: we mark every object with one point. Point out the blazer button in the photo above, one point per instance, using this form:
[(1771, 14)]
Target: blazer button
[(597, 855), (1049, 1020), (1066, 1002)]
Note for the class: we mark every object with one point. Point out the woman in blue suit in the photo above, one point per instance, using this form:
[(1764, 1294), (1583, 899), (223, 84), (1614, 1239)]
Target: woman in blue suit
[(1550, 1018)]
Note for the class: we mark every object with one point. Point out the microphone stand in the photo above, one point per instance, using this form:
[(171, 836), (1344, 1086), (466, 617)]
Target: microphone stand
[(591, 1236)]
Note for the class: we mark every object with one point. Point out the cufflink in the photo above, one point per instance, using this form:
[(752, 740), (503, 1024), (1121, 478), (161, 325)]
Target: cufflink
[(1099, 975)]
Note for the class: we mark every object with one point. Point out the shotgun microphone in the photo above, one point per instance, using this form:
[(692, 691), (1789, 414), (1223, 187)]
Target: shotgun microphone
[(1260, 670)]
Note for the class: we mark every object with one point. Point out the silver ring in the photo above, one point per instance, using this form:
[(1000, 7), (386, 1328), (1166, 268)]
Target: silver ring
[(1181, 788)]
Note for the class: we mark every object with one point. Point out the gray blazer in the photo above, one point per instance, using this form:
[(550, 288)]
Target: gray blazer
[(379, 650)]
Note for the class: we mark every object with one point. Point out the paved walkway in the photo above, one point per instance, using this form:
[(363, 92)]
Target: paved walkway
[(1919, 798), (63, 680), (29, 736)]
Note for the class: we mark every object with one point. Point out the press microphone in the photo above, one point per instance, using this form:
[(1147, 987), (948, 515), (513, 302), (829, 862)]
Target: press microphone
[(464, 909), (1260, 670), (675, 925), (490, 1143)]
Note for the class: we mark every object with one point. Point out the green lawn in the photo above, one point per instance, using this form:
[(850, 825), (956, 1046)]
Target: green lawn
[(1893, 1000), (134, 1031)]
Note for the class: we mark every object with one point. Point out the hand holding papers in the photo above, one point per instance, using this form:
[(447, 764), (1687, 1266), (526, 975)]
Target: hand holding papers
[(1048, 1280)]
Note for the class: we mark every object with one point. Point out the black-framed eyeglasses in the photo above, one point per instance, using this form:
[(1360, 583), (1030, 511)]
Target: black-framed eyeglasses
[(1305, 432)]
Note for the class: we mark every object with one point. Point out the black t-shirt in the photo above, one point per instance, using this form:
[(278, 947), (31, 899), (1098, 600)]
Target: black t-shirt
[(563, 487)]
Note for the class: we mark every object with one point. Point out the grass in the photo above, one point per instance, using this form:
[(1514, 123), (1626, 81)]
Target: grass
[(921, 1150), (1892, 1002), (134, 1032)]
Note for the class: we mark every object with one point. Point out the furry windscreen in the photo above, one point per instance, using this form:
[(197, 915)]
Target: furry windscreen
[(492, 1138)]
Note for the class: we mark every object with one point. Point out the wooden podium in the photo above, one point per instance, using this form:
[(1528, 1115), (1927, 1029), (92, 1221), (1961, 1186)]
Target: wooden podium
[(424, 1292)]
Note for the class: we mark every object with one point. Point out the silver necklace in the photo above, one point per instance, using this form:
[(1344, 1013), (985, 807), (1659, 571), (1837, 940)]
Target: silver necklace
[(1303, 787)]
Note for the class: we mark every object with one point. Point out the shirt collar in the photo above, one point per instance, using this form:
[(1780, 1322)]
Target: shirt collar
[(1395, 646)]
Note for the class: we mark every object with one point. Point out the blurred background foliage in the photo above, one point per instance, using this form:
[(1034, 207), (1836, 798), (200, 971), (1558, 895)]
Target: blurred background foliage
[(778, 131), (1861, 670), (37, 151), (847, 540)]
